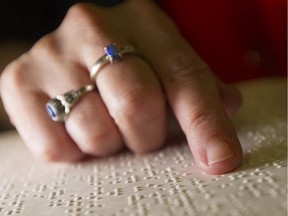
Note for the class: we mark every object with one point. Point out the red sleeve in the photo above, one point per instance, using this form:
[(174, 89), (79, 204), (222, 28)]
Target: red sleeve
[(240, 39)]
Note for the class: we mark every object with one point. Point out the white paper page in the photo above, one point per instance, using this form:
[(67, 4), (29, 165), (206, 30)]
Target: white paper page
[(165, 182)]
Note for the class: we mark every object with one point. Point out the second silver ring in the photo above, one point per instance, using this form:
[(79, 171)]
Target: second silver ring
[(60, 106)]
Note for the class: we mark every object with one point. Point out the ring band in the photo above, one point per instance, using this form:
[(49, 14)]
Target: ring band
[(60, 106), (113, 53)]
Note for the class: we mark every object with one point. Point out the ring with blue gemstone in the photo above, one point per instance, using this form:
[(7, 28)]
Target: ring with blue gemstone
[(113, 53), (60, 106)]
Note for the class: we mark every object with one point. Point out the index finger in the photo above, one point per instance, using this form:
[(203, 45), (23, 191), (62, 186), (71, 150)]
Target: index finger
[(193, 94)]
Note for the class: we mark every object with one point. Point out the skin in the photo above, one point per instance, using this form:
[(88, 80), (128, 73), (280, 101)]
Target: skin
[(9, 50), (129, 107)]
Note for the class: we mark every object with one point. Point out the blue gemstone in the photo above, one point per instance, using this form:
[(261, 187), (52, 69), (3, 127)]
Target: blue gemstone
[(113, 52), (51, 111)]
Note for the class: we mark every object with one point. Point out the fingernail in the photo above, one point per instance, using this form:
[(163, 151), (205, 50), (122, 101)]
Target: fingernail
[(218, 150)]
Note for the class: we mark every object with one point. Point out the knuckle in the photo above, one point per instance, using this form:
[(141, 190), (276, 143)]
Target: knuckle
[(198, 120), (49, 155), (46, 47), (78, 10), (145, 109), (153, 146), (13, 77), (184, 66), (93, 143), (81, 15), (13, 83), (100, 143), (53, 150), (134, 103)]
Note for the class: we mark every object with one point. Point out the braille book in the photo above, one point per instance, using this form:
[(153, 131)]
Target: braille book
[(166, 182)]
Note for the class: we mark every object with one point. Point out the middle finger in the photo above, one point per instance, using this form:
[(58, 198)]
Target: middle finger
[(135, 101)]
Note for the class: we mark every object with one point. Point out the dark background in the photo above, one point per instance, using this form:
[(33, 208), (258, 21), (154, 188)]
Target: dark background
[(31, 19)]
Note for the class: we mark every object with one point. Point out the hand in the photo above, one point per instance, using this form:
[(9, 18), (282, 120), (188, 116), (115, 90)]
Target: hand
[(129, 106)]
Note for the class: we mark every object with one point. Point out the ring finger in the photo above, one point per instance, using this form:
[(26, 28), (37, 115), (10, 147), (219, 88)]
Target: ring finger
[(89, 123)]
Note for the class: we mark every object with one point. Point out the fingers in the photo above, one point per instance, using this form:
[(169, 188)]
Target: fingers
[(88, 124), (193, 94), (129, 88), (92, 128), (131, 107), (89, 129), (129, 104), (25, 106), (135, 101)]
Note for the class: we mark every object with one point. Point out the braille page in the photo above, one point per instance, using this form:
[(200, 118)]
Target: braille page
[(165, 182)]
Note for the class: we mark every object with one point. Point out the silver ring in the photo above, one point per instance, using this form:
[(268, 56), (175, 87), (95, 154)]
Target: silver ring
[(113, 53), (60, 106)]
